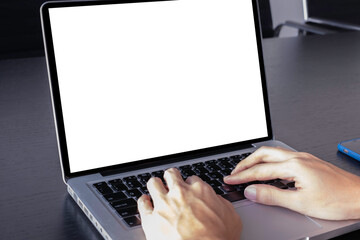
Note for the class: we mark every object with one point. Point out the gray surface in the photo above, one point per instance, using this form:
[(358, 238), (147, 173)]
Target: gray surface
[(271, 220), (287, 10), (313, 85)]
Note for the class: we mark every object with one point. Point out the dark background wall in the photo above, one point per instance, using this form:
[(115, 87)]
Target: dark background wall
[(20, 27)]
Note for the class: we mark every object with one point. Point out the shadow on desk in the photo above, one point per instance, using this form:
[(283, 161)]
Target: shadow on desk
[(349, 236), (76, 221)]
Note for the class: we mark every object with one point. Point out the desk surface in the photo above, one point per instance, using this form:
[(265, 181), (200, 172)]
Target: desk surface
[(313, 83)]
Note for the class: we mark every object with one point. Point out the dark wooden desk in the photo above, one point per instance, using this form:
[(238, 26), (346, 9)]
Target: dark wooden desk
[(314, 85)]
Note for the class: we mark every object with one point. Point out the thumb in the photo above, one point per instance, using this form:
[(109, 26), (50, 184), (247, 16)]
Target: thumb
[(270, 195)]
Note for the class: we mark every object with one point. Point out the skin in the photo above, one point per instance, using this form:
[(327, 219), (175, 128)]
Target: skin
[(191, 210), (186, 210), (323, 190)]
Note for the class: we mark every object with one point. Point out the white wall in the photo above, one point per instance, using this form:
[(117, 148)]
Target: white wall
[(284, 10)]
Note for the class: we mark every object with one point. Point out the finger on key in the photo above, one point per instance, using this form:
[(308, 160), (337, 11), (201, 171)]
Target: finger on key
[(263, 155), (145, 206), (173, 177), (156, 189), (193, 179), (263, 172)]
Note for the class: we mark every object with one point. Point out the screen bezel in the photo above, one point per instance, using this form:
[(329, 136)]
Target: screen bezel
[(57, 109)]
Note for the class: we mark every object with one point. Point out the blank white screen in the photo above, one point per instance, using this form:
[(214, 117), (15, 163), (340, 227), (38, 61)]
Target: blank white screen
[(143, 80)]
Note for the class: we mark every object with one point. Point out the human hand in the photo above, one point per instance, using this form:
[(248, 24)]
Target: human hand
[(322, 190), (186, 210)]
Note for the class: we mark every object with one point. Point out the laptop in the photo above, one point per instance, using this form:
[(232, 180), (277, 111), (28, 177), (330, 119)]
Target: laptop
[(142, 86)]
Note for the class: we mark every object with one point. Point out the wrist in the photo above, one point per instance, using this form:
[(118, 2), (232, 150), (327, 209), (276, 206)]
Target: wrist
[(354, 201)]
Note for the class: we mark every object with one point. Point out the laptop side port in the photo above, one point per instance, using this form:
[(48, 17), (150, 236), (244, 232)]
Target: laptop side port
[(91, 217)]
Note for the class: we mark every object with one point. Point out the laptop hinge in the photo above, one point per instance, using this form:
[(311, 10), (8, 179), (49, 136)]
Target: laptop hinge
[(171, 160)]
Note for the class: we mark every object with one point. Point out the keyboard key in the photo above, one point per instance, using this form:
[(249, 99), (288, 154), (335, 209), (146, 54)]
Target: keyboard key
[(200, 164), (204, 178), (218, 191), (214, 183), (144, 177), (234, 196), (239, 187), (132, 221), (291, 184), (159, 174), (103, 188), (211, 162), (114, 181), (132, 182), (200, 170), (213, 167), (143, 183), (187, 173), (144, 190), (254, 182), (233, 163), (243, 185), (112, 197), (215, 175), (226, 172), (269, 181), (228, 188), (118, 185), (221, 180), (279, 185), (221, 160), (124, 203), (127, 212), (225, 165), (235, 158), (131, 178), (134, 193)]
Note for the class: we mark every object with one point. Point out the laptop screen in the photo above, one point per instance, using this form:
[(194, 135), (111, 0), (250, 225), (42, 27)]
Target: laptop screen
[(149, 79)]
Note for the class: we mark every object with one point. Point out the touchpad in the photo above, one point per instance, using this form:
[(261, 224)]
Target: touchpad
[(268, 222)]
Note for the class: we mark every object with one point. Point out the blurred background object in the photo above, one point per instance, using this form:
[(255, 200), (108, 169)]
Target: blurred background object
[(337, 13), (20, 27), (286, 18)]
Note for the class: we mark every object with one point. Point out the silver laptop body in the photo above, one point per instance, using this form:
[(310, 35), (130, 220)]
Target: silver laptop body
[(142, 86)]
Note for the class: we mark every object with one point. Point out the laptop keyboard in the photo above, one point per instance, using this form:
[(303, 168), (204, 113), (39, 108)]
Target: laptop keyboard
[(122, 194)]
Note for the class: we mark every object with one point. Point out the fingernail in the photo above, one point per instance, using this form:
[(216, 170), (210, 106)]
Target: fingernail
[(226, 178), (250, 193), (235, 171)]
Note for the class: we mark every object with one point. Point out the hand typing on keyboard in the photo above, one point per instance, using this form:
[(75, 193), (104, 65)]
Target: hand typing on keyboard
[(186, 210), (322, 190)]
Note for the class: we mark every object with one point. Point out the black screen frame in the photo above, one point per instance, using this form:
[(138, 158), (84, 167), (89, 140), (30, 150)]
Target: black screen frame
[(57, 109)]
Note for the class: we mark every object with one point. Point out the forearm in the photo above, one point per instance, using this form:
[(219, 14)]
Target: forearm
[(351, 204)]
